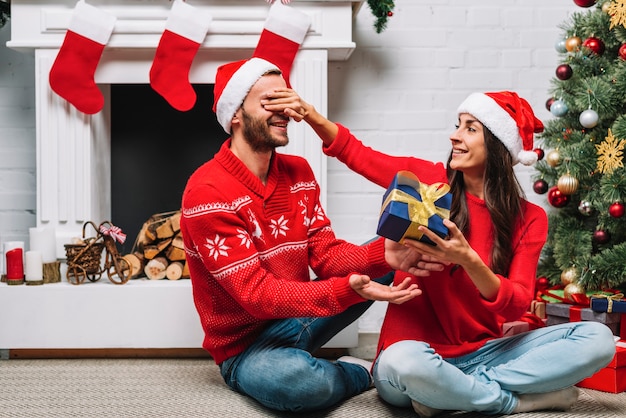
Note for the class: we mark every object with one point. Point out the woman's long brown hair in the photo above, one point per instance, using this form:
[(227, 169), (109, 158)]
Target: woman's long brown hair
[(503, 197)]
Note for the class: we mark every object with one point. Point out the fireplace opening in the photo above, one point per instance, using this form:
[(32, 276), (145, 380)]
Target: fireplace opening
[(154, 150)]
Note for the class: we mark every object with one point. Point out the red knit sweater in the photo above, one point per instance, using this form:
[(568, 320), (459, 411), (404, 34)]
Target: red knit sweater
[(450, 314), (249, 248)]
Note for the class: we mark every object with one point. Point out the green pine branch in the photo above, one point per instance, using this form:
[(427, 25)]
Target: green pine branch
[(382, 10)]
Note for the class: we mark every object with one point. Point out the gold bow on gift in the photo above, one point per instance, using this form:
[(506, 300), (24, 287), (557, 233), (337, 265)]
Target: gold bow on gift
[(419, 212), (610, 298)]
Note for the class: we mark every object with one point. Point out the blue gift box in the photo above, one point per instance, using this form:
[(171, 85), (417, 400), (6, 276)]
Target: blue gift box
[(408, 203), (608, 303)]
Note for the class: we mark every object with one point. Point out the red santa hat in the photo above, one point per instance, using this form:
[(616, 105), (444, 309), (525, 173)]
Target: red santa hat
[(510, 118), (284, 30)]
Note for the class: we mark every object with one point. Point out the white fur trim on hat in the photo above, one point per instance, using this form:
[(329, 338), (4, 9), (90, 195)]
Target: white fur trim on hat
[(497, 120), (238, 87)]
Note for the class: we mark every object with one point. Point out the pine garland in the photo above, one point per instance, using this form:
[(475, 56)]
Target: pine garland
[(382, 10)]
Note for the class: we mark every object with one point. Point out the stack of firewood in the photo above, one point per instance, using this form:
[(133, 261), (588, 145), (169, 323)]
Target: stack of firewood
[(158, 252)]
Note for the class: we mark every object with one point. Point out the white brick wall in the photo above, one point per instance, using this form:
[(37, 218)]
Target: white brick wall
[(398, 93)]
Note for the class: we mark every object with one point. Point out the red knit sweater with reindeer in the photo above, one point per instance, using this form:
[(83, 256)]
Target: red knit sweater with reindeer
[(251, 248)]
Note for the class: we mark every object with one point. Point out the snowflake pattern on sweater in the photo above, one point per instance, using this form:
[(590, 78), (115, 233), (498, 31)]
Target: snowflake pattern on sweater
[(251, 246)]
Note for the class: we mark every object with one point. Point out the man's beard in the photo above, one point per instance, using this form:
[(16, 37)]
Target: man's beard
[(256, 133)]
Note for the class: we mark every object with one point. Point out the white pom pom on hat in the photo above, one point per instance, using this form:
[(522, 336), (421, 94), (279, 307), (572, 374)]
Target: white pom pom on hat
[(283, 32), (510, 118)]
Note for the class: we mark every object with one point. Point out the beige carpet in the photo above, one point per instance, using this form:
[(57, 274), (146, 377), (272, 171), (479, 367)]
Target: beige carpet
[(186, 388)]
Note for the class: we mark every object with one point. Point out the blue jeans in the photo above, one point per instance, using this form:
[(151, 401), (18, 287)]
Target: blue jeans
[(487, 380), (279, 371)]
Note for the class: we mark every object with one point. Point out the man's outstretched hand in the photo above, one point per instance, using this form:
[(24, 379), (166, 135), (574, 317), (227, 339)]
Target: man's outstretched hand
[(371, 290)]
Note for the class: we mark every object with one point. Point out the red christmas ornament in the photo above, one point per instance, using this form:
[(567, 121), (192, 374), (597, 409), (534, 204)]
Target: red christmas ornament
[(540, 186), (551, 100), (585, 3), (601, 236), (616, 210), (390, 13), (556, 198), (622, 52), (542, 283), (540, 153), (564, 72), (595, 45)]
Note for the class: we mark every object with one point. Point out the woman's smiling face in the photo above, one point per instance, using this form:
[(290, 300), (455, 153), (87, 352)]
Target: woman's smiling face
[(469, 154)]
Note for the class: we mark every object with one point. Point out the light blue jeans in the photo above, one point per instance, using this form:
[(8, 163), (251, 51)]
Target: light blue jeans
[(487, 380), (279, 371)]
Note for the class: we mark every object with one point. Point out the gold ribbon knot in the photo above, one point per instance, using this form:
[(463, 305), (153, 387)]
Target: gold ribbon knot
[(419, 212), (610, 299)]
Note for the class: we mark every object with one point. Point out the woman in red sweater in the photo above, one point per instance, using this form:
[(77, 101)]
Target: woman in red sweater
[(444, 350)]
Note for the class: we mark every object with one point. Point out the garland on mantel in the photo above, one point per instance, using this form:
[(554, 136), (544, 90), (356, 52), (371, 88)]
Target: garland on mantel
[(382, 10), (5, 12)]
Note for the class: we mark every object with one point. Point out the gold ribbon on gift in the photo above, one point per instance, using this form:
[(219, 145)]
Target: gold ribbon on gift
[(610, 298), (419, 212)]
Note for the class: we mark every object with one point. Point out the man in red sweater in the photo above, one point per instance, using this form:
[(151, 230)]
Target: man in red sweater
[(254, 228)]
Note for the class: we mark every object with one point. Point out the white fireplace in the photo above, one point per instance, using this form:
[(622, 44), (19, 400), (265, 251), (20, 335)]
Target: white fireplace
[(74, 149)]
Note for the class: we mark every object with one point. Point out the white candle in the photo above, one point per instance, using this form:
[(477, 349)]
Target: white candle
[(43, 239), (34, 266)]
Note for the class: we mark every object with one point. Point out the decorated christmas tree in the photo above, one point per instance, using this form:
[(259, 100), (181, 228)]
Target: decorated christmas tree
[(581, 166)]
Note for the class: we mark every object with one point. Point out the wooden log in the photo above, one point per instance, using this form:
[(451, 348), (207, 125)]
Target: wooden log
[(136, 261), (156, 268), (153, 250), (174, 270), (175, 221), (186, 274), (164, 230)]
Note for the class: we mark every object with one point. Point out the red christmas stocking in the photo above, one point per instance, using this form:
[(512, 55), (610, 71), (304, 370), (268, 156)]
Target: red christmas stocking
[(283, 31), (185, 30), (72, 73)]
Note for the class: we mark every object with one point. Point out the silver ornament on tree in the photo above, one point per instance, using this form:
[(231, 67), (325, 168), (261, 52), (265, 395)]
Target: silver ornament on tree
[(588, 118), (585, 208), (559, 108)]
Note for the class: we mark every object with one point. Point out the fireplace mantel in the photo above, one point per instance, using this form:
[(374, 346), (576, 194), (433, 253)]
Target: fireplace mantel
[(73, 149)]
